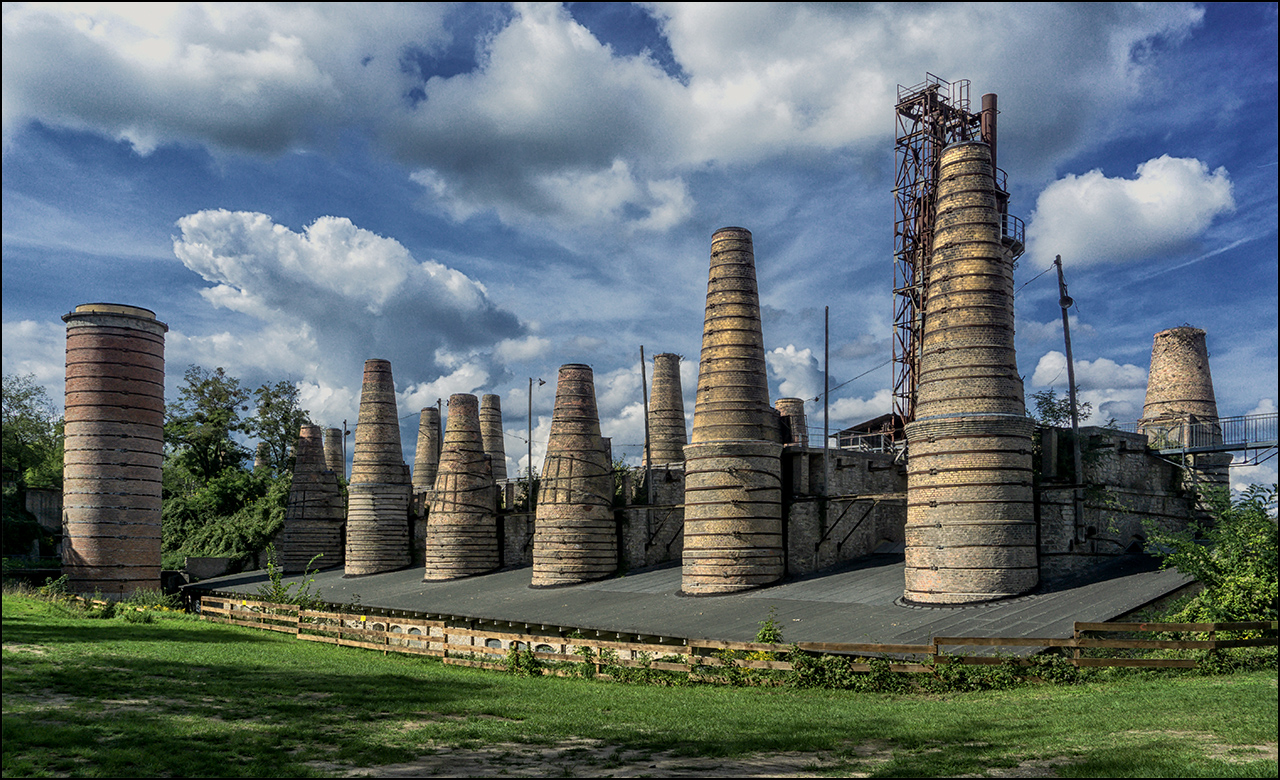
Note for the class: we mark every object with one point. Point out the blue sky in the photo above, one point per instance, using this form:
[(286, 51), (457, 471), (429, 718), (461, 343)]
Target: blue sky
[(481, 193)]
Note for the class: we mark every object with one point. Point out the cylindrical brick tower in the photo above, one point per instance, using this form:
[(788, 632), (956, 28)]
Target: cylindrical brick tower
[(462, 529), (113, 449), (733, 467), (575, 537), (426, 459), (794, 425), (333, 459), (970, 534), (491, 432), (667, 434), (378, 496), (315, 513)]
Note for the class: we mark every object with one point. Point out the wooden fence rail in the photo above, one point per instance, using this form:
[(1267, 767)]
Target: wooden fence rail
[(486, 648)]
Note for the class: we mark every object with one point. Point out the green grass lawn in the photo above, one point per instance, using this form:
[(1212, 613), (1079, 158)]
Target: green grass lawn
[(94, 697)]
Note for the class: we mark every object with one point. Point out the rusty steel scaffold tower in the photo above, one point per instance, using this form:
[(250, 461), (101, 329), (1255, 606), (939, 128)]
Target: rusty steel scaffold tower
[(930, 115)]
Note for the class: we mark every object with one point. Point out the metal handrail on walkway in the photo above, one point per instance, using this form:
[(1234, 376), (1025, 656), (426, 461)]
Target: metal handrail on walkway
[(1224, 434)]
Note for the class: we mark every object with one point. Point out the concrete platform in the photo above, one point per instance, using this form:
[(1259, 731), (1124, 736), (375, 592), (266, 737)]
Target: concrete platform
[(857, 602)]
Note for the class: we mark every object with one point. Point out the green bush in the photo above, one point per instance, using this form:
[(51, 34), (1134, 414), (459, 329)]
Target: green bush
[(1233, 556)]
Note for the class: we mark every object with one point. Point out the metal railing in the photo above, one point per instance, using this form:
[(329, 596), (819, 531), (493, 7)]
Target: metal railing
[(1224, 434)]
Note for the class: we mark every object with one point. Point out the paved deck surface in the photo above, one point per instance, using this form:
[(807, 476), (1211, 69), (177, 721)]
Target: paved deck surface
[(855, 603)]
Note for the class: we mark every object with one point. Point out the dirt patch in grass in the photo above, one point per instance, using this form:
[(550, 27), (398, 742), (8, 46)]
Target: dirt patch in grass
[(590, 758), (1213, 748), (21, 648)]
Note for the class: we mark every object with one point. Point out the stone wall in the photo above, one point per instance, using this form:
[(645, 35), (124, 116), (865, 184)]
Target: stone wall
[(1127, 486)]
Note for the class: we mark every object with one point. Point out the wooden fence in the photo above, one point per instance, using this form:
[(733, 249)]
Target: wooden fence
[(467, 645)]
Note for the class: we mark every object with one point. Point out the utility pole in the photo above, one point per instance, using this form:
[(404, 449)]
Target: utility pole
[(648, 454), (1065, 302), (826, 401)]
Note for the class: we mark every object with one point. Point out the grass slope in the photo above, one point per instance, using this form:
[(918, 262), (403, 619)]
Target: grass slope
[(179, 697)]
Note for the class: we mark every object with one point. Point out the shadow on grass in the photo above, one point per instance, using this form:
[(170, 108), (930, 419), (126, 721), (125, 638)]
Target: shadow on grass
[(110, 715)]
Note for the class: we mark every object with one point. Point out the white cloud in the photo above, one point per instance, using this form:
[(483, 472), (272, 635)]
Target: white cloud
[(1051, 371), (1090, 219), (850, 411), (38, 349), (516, 350), (1265, 406), (467, 378), (255, 76), (1031, 332), (797, 369), (1114, 390), (354, 292), (552, 124)]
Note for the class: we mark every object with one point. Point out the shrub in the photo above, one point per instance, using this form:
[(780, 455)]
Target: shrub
[(1236, 563)]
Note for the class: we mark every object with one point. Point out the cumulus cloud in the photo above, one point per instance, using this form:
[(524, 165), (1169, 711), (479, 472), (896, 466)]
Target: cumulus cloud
[(851, 411), (37, 349), (334, 295), (552, 123), (796, 370), (255, 76), (1115, 390), (1093, 219), (1032, 332)]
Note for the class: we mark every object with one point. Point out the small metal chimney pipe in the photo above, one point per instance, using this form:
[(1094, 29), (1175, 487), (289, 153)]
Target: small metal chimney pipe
[(988, 124)]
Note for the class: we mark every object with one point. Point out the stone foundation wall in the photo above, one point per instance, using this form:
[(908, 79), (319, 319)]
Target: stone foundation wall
[(1127, 488)]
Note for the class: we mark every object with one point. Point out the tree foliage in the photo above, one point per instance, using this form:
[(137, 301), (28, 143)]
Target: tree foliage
[(1049, 409), (276, 421), (213, 505), (1233, 555), (199, 426), (32, 457), (32, 433)]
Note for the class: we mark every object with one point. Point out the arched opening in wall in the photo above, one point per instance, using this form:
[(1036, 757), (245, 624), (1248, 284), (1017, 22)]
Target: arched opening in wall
[(520, 646), (1136, 545), (544, 649), (378, 627), (494, 643)]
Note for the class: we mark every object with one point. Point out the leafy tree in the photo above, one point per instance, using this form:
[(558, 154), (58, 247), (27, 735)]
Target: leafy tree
[(32, 434), (1052, 410), (32, 456), (1234, 556), (276, 421), (199, 426)]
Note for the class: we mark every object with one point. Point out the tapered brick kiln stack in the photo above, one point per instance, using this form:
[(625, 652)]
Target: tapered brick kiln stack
[(491, 433), (1181, 409), (333, 453), (1179, 386), (426, 458), (575, 537), (378, 496), (114, 446), (795, 428), (733, 468), (667, 434), (315, 513), (970, 533), (462, 529), (260, 455)]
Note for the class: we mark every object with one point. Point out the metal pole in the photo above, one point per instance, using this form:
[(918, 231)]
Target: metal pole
[(1065, 302), (826, 401), (530, 440), (648, 453)]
